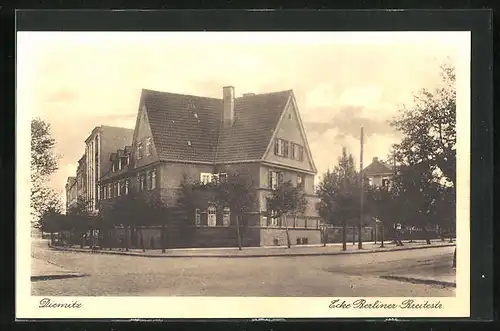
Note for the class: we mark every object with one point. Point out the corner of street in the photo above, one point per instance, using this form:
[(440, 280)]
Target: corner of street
[(415, 269)]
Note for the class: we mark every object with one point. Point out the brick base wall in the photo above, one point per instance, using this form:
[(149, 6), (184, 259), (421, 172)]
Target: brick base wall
[(271, 237)]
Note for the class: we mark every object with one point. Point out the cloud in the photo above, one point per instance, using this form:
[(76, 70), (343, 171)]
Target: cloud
[(77, 81)]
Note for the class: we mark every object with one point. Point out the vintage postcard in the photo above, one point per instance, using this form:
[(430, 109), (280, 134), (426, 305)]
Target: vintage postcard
[(242, 174)]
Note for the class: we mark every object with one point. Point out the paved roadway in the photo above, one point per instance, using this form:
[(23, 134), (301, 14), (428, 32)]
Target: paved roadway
[(335, 275)]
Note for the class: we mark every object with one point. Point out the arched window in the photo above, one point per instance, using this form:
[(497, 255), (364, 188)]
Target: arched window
[(212, 216)]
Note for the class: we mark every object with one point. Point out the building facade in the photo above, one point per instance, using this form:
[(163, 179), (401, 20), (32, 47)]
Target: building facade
[(81, 178), (180, 138), (378, 173), (71, 193), (98, 146)]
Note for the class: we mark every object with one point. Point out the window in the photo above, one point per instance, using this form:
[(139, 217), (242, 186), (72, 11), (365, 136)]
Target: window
[(273, 221), (120, 163), (301, 153), (197, 217), (153, 179), (385, 182), (143, 182), (110, 194), (149, 183), (139, 150), (101, 192), (223, 177), (148, 146), (118, 188), (226, 217), (127, 183), (300, 180), (113, 168), (115, 188), (206, 177), (293, 151), (212, 216), (281, 147), (127, 160), (275, 178)]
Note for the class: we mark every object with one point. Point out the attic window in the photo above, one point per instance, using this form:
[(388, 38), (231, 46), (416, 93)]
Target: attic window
[(196, 115), (289, 116), (189, 143)]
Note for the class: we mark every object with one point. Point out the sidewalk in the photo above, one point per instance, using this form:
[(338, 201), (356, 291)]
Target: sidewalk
[(248, 252), (44, 270)]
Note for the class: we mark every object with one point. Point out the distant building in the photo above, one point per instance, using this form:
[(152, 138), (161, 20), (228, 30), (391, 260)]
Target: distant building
[(81, 178), (199, 138), (99, 145), (71, 193), (378, 173)]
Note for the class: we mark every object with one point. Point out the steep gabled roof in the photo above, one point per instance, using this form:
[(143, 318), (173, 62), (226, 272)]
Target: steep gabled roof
[(256, 118), (183, 127), (188, 128), (377, 167)]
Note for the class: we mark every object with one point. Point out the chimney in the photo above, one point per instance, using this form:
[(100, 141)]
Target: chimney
[(375, 159), (228, 102)]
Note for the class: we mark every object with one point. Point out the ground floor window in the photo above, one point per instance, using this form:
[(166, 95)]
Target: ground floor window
[(212, 216), (226, 217), (197, 217)]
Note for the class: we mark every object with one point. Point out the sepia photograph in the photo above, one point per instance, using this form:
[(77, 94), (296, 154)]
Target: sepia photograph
[(245, 165)]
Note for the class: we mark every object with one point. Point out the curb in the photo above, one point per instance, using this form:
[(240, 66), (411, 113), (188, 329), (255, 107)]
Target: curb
[(252, 255), (420, 280), (53, 277)]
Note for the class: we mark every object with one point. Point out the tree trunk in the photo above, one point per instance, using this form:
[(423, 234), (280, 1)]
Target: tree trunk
[(344, 235), (141, 239), (426, 234), (127, 238), (238, 235), (382, 236), (163, 238), (287, 233)]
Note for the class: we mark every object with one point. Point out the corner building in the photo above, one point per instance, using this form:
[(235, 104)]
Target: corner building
[(179, 137)]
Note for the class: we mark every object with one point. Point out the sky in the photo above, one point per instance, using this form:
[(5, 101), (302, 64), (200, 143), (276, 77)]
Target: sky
[(341, 80)]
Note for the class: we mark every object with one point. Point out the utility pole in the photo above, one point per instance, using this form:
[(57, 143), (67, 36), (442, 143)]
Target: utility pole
[(362, 188), (344, 220)]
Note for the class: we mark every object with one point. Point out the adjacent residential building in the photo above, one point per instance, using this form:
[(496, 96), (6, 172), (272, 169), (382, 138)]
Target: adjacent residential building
[(198, 139), (81, 178), (378, 173), (99, 145), (71, 193)]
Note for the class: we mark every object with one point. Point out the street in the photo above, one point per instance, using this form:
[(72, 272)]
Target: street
[(310, 276)]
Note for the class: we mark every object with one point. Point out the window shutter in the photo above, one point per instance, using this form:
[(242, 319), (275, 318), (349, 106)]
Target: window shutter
[(285, 150), (270, 179), (276, 146)]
